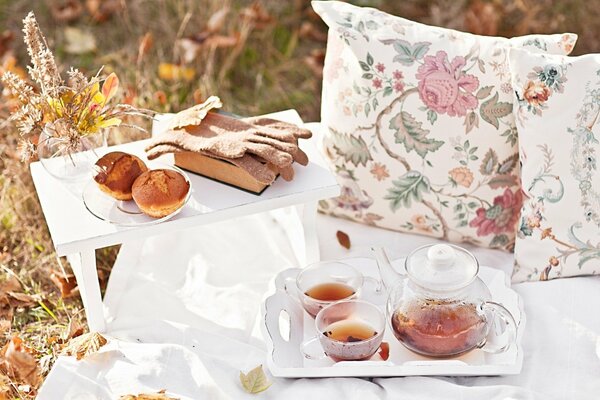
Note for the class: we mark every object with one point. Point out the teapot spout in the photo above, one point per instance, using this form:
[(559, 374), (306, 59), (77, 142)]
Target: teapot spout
[(388, 275)]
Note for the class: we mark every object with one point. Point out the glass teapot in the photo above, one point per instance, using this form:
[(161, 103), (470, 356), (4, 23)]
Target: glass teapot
[(441, 308)]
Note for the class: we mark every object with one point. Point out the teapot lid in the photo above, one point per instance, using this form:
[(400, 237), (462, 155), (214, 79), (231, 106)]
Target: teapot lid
[(441, 267)]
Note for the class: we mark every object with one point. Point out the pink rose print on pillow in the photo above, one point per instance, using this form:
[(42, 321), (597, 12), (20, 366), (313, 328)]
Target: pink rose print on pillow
[(444, 87), (500, 217)]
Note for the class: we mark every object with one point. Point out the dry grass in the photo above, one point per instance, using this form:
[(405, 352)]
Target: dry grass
[(267, 71)]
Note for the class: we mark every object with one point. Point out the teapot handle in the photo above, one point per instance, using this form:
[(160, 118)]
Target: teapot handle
[(499, 312)]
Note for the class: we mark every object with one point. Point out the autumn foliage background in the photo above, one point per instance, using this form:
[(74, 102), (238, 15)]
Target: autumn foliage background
[(258, 57)]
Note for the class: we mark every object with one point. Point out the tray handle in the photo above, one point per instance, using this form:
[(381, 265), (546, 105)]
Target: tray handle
[(285, 353)]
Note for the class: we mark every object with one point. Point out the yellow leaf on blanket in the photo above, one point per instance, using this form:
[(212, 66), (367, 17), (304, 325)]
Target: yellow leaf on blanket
[(84, 345), (148, 396), (255, 381)]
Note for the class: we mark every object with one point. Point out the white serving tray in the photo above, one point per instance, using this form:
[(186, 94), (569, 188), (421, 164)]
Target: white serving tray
[(285, 335)]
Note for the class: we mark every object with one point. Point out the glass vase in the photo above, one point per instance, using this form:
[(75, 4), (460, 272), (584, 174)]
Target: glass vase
[(69, 159)]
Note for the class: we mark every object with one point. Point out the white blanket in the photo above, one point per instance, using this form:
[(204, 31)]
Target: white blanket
[(184, 317)]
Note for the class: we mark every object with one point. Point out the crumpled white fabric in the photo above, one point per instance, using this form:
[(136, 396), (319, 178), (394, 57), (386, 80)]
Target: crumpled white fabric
[(184, 314)]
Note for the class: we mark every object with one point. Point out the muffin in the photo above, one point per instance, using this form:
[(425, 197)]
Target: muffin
[(115, 173), (160, 192)]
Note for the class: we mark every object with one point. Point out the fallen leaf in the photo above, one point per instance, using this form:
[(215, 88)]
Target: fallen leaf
[(343, 239), (102, 10), (173, 72), (84, 345), (17, 299), (66, 10), (66, 283), (17, 362), (482, 18), (222, 41), (6, 41), (193, 116), (217, 20), (310, 31), (5, 326), (257, 15), (160, 395), (161, 97), (130, 96), (187, 49), (255, 381), (79, 41), (5, 388), (73, 330), (146, 43), (197, 95), (315, 61), (384, 351)]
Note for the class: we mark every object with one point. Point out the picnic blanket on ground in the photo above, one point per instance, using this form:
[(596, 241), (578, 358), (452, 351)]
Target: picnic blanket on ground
[(184, 316)]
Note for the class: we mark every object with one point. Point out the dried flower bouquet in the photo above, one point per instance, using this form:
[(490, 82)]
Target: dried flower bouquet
[(68, 111)]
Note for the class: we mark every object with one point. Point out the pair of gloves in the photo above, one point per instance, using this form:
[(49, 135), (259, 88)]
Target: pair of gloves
[(263, 147)]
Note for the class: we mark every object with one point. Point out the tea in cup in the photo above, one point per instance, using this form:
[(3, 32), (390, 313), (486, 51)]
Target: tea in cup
[(323, 283), (349, 330)]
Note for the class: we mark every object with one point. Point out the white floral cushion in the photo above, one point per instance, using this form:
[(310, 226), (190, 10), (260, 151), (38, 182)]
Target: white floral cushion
[(557, 120), (419, 125)]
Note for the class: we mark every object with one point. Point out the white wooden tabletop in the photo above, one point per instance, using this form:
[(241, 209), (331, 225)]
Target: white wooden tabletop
[(73, 228)]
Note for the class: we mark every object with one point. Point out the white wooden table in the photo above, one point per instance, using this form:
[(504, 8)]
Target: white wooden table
[(77, 234)]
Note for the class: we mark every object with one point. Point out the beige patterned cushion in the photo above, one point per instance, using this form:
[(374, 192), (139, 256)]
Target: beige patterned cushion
[(559, 130), (420, 127)]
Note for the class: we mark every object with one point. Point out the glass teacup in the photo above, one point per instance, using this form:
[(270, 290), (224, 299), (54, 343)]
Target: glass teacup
[(349, 330), (326, 282)]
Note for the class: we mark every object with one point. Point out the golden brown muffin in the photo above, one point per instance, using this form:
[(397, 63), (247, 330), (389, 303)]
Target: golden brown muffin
[(115, 173), (160, 192)]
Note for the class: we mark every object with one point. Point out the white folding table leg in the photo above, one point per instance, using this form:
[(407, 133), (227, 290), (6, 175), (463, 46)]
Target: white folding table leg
[(299, 224), (84, 268)]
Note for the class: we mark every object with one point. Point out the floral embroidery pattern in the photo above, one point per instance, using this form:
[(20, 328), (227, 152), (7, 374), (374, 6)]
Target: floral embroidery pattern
[(422, 138), (444, 87), (542, 83)]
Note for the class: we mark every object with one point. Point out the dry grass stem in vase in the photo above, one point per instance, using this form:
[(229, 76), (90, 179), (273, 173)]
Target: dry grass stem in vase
[(62, 122)]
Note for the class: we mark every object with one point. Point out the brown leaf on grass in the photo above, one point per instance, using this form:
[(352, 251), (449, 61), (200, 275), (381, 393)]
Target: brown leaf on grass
[(12, 296), (73, 330), (84, 345), (5, 387), (5, 326), (482, 18), (6, 39), (222, 40), (161, 97), (66, 283), (17, 362), (255, 381), (160, 395), (315, 61), (384, 351), (257, 15), (309, 30), (343, 239), (146, 43), (102, 10), (66, 10)]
